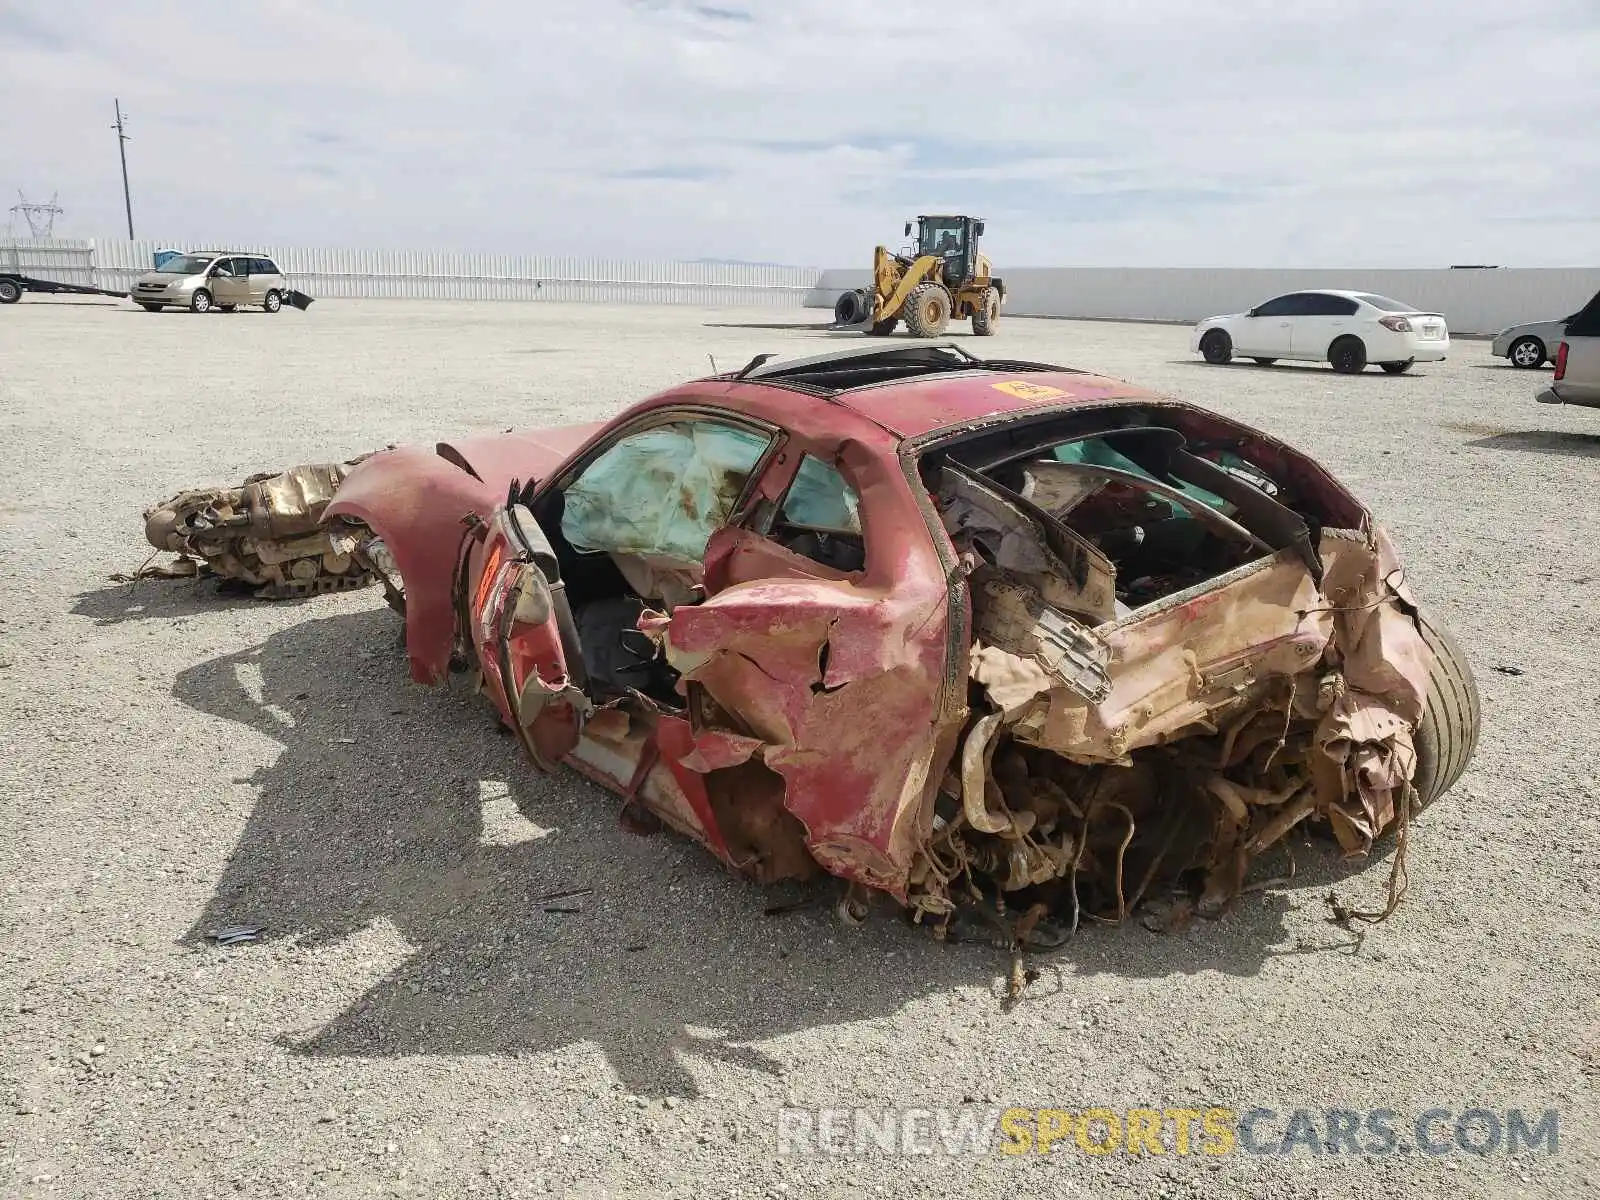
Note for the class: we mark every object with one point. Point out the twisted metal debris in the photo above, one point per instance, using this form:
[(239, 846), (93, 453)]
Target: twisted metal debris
[(264, 535)]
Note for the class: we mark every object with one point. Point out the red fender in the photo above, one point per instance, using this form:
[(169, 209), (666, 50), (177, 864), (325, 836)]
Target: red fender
[(415, 501), (499, 458)]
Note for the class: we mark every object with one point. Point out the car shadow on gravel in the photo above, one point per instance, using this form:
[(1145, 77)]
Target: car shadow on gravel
[(1542, 441), (1294, 368), (534, 920), (158, 599)]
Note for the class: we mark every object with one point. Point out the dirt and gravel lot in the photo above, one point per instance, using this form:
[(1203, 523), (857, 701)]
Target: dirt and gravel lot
[(418, 1022)]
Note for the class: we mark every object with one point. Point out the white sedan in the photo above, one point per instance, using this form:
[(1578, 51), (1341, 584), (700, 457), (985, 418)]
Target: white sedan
[(1347, 329)]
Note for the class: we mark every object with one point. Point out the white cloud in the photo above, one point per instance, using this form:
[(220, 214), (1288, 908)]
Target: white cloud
[(1153, 132)]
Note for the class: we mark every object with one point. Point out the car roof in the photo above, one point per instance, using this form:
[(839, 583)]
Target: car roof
[(919, 388), (1344, 292)]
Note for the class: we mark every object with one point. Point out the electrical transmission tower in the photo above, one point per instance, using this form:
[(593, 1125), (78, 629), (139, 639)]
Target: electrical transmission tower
[(41, 218)]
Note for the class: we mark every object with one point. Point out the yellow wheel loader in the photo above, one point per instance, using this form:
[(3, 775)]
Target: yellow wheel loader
[(939, 279)]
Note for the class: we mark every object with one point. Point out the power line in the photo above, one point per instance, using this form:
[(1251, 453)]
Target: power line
[(122, 149)]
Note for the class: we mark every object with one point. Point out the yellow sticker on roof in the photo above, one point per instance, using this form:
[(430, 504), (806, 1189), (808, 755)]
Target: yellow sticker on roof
[(1023, 390)]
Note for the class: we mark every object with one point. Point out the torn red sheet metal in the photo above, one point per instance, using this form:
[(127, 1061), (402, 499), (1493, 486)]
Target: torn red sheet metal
[(963, 633)]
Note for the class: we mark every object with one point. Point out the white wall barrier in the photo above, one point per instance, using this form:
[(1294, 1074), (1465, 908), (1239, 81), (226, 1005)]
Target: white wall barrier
[(1472, 300)]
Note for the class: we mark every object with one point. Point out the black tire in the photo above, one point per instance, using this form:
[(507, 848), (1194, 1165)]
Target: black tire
[(149, 307), (1217, 347), (1348, 355), (200, 302), (1529, 353), (847, 308), (987, 315), (10, 291), (273, 301), (228, 307), (927, 310), (1448, 733), (1264, 362), (1399, 368)]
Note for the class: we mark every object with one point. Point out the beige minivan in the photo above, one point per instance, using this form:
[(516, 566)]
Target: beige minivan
[(211, 279)]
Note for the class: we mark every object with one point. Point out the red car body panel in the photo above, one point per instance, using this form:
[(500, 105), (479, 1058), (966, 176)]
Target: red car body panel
[(916, 409), (415, 500), (497, 459)]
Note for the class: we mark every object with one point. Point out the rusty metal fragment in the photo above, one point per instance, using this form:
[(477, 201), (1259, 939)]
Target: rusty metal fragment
[(264, 535)]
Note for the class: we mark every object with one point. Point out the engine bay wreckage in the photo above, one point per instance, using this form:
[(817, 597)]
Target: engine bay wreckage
[(981, 635), (264, 536)]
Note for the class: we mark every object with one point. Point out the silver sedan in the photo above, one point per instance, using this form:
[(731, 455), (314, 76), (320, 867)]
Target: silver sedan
[(1530, 345)]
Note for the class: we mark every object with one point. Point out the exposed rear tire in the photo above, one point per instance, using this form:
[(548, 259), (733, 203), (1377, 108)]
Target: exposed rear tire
[(1264, 362), (200, 302), (1348, 355), (1217, 347), (987, 315), (1448, 734), (1528, 353), (1397, 368), (927, 310), (10, 291)]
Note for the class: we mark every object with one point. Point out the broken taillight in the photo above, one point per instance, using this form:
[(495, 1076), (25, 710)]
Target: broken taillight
[(1395, 324), (1561, 362)]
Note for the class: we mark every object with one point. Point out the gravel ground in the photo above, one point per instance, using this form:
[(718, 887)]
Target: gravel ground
[(419, 1023)]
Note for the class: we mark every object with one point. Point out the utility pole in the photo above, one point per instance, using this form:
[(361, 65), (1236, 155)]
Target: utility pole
[(122, 149)]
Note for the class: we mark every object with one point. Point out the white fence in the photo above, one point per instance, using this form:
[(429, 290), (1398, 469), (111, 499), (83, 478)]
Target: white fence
[(412, 274), (63, 262), (1472, 300)]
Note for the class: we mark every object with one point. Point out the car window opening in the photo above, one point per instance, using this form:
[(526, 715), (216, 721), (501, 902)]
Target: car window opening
[(1383, 302), (1126, 516), (629, 533), (819, 518)]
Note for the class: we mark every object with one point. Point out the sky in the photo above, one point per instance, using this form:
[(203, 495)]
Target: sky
[(1303, 133)]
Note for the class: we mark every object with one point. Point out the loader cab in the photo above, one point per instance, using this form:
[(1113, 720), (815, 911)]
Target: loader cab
[(953, 239)]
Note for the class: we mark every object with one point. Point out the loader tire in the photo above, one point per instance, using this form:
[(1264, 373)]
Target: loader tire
[(850, 308), (1448, 733), (927, 310), (987, 315)]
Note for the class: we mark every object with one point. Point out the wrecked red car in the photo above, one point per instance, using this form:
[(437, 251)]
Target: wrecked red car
[(950, 629)]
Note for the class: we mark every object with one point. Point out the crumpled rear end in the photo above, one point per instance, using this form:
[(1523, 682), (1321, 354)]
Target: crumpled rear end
[(1118, 753)]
